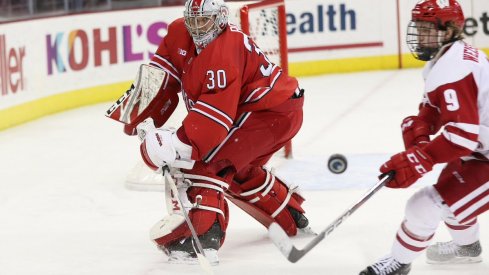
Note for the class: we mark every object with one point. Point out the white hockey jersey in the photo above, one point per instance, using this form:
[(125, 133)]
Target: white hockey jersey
[(457, 86)]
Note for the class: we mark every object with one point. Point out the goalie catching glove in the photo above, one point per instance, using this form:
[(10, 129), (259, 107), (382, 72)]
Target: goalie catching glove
[(160, 147), (409, 166)]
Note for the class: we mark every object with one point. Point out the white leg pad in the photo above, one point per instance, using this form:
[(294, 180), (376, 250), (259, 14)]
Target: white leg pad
[(166, 226)]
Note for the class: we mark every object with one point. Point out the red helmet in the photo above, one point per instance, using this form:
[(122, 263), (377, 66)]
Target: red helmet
[(439, 12)]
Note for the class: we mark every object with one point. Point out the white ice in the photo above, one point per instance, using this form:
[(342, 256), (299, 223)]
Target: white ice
[(64, 209)]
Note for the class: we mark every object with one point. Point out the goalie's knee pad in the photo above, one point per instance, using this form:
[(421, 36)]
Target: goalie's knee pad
[(265, 194), (203, 198)]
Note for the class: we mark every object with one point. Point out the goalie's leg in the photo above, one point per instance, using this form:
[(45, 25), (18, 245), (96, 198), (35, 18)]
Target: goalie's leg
[(248, 146), (203, 198), (268, 199)]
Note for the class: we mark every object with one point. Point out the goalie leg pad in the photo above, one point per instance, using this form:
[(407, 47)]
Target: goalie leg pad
[(208, 212), (261, 193)]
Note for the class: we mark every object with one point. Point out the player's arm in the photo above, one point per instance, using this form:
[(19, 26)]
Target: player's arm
[(460, 117), (153, 93), (212, 116), (166, 101), (167, 53), (416, 130), (458, 112), (163, 60)]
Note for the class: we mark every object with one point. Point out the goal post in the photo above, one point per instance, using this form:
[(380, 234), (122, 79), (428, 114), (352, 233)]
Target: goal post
[(265, 23)]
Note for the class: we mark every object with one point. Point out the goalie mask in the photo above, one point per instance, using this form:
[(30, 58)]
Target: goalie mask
[(430, 20), (205, 20)]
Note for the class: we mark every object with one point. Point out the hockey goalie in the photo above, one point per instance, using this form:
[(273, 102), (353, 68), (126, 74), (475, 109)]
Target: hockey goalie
[(241, 107)]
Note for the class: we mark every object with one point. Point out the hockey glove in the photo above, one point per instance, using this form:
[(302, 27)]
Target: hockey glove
[(415, 131), (161, 147), (409, 165)]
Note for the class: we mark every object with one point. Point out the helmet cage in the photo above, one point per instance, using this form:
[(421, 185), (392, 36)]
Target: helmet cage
[(430, 19), (424, 39)]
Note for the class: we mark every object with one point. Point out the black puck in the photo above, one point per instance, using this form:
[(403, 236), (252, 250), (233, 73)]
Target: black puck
[(337, 163)]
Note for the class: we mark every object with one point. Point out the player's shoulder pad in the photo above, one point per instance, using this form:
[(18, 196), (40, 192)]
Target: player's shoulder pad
[(457, 63), (177, 27), (234, 35), (227, 44)]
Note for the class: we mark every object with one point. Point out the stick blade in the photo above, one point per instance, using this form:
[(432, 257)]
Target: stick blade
[(295, 255), (283, 243), (280, 239), (204, 263)]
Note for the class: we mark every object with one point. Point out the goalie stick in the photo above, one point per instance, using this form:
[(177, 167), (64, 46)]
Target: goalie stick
[(293, 254), (204, 263)]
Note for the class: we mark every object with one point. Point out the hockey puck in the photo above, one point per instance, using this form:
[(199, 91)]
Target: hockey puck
[(337, 163)]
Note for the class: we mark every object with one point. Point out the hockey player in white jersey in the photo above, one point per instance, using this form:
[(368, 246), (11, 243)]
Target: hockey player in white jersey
[(455, 105)]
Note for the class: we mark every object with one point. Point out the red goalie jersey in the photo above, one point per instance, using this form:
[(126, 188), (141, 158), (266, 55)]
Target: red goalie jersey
[(229, 77), (457, 97)]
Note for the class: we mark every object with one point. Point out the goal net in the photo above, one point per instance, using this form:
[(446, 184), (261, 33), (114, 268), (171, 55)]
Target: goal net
[(265, 23)]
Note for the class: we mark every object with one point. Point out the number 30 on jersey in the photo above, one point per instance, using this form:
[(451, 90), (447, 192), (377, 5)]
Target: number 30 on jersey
[(216, 79)]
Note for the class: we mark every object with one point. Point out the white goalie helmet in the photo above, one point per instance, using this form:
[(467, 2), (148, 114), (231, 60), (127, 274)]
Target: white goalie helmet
[(205, 20)]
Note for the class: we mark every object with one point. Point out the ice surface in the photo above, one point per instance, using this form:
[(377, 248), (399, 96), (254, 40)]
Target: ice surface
[(64, 209)]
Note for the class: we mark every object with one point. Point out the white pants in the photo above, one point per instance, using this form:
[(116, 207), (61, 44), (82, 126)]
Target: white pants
[(424, 211)]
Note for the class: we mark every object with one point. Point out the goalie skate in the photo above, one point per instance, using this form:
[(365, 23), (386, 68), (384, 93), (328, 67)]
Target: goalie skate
[(451, 253), (182, 252), (302, 223), (387, 266), (183, 257)]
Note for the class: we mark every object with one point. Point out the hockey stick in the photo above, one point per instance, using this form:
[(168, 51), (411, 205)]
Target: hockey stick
[(293, 254), (199, 251)]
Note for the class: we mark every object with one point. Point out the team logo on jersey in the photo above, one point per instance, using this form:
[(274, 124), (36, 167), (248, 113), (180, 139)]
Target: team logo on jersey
[(182, 52), (158, 138)]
